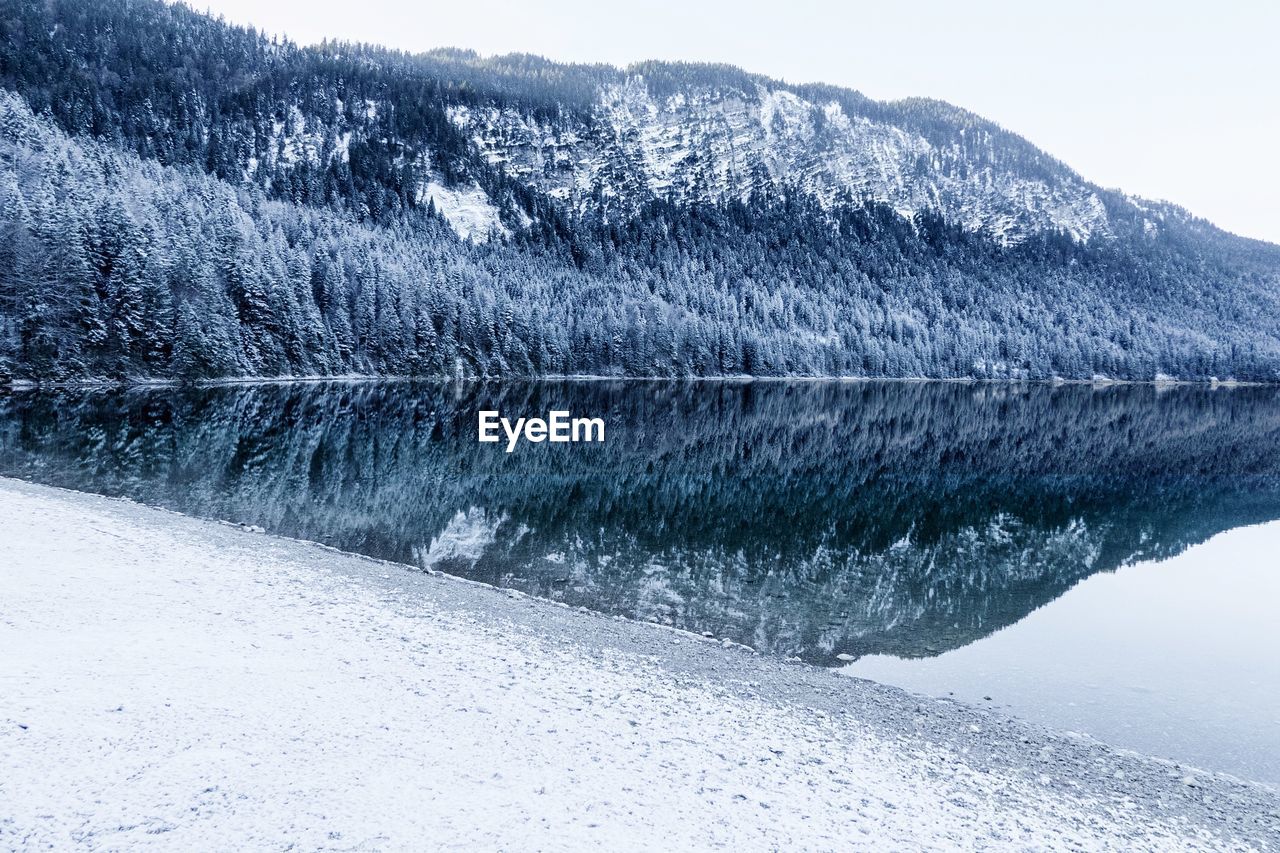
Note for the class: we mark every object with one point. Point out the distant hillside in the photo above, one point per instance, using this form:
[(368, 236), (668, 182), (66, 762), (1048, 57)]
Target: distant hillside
[(666, 219)]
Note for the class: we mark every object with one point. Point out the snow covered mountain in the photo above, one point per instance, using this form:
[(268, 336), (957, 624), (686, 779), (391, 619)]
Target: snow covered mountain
[(490, 142), (712, 143), (702, 135), (445, 213)]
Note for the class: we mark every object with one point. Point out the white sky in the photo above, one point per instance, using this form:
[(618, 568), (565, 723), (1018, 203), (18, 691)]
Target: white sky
[(1174, 99)]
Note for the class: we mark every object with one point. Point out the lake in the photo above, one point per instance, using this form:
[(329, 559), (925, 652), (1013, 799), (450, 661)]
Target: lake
[(1103, 560)]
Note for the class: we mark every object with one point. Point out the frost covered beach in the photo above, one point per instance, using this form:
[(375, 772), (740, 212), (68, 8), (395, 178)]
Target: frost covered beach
[(173, 682)]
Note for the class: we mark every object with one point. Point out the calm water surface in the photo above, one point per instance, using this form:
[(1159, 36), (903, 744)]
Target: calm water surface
[(1102, 560)]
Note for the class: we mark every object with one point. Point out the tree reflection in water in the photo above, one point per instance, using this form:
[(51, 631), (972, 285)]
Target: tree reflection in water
[(803, 519)]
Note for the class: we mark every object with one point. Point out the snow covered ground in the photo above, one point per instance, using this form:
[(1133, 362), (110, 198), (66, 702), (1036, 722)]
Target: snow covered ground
[(175, 683)]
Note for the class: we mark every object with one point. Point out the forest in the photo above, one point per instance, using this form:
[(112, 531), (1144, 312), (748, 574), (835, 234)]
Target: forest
[(150, 231)]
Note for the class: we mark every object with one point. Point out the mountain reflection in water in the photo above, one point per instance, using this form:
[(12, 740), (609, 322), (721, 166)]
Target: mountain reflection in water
[(807, 519)]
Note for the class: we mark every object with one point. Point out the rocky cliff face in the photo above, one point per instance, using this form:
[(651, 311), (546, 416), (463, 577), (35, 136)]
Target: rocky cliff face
[(712, 144), (709, 143)]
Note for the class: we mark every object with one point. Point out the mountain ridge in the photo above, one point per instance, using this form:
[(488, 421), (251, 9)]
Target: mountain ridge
[(917, 113), (536, 87)]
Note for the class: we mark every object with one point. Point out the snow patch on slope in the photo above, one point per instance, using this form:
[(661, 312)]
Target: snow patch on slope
[(299, 139), (467, 209)]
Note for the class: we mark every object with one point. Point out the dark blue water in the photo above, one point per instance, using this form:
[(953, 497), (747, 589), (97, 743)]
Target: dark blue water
[(1087, 557)]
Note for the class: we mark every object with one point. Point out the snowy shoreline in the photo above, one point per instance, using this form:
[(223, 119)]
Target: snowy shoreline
[(178, 683), (1054, 382)]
